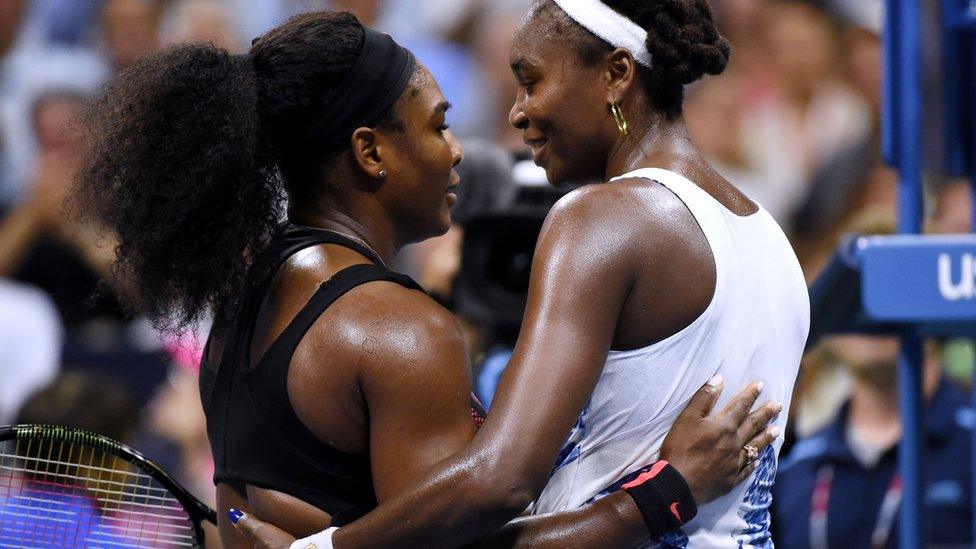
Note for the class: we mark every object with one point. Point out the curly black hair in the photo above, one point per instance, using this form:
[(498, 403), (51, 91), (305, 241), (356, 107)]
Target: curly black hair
[(191, 152), (684, 42)]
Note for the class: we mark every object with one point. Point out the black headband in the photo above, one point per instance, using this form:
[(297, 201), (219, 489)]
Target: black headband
[(374, 83)]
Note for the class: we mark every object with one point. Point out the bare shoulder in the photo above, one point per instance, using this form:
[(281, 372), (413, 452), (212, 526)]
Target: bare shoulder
[(379, 346), (631, 210), (382, 326)]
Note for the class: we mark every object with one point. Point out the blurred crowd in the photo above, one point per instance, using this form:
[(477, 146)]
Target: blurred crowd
[(794, 122)]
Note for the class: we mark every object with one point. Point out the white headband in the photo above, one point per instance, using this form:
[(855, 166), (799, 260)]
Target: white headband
[(612, 27)]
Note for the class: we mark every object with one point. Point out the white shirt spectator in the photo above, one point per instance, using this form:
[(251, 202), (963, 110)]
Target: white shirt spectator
[(30, 345), (788, 146), (27, 74)]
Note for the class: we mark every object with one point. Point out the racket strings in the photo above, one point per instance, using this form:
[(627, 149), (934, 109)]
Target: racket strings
[(55, 493)]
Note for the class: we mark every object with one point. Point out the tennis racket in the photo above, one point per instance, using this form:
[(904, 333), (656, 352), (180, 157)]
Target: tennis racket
[(64, 487)]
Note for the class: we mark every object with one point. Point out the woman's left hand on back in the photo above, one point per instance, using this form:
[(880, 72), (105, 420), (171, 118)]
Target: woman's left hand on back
[(709, 449)]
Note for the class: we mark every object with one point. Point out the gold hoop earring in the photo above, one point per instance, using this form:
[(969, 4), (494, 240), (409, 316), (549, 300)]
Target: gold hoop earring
[(618, 116)]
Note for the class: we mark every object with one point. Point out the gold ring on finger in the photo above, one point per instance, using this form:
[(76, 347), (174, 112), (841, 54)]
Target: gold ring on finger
[(752, 453)]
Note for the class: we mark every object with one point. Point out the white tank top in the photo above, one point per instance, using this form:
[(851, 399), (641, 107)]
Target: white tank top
[(754, 328)]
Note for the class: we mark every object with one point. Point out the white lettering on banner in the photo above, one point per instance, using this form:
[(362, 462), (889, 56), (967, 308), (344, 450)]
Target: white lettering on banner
[(966, 287)]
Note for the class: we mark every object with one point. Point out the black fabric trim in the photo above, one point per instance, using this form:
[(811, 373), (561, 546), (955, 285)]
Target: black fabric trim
[(296, 238), (269, 445), (270, 375)]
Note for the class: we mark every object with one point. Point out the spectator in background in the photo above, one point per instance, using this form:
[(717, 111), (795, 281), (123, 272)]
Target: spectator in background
[(810, 117), (41, 245), (435, 40), (30, 345), (714, 116), (823, 385), (366, 11), (410, 19), (863, 13), (741, 22), (492, 39), (42, 500), (92, 402), (29, 68), (131, 29), (176, 433), (953, 214), (10, 15), (863, 67), (199, 21), (46, 247), (254, 17), (953, 208), (856, 177), (840, 487), (61, 23)]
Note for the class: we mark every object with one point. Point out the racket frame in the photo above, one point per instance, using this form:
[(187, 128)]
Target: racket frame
[(195, 509)]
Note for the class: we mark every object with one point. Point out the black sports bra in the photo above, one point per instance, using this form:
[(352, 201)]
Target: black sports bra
[(255, 434)]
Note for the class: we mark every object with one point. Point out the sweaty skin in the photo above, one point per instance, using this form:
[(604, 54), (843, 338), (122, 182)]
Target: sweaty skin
[(384, 372), (592, 277), (618, 266), (399, 357), (713, 442)]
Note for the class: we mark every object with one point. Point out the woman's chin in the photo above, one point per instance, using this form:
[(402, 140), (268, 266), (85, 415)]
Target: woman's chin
[(558, 177), (552, 175), (556, 172), (445, 224)]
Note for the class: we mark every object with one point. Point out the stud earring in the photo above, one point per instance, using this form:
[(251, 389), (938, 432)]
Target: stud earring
[(618, 116), (383, 174)]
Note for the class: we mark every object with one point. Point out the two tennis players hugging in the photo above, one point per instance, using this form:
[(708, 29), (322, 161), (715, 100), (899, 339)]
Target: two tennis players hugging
[(337, 392)]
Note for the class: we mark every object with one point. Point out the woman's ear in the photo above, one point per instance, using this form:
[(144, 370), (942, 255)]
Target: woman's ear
[(367, 152), (621, 72)]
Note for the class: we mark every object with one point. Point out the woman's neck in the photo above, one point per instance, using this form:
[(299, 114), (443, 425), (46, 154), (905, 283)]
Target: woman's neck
[(661, 143), (373, 232), (664, 143)]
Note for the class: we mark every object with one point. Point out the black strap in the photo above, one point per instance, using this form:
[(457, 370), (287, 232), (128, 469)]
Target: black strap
[(334, 288), (289, 239), (297, 237), (276, 414)]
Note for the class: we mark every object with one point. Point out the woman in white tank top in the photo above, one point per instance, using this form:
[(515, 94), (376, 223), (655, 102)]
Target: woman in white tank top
[(700, 279), (643, 287), (696, 278)]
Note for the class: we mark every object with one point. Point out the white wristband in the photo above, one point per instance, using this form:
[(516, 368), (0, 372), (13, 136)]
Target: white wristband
[(322, 540)]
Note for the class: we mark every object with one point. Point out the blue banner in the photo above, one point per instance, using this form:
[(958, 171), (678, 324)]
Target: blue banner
[(909, 278)]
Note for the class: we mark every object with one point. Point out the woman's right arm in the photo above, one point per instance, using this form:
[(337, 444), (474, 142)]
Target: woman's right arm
[(705, 448), (581, 275)]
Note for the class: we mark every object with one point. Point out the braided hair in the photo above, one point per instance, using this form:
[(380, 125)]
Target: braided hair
[(684, 42)]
